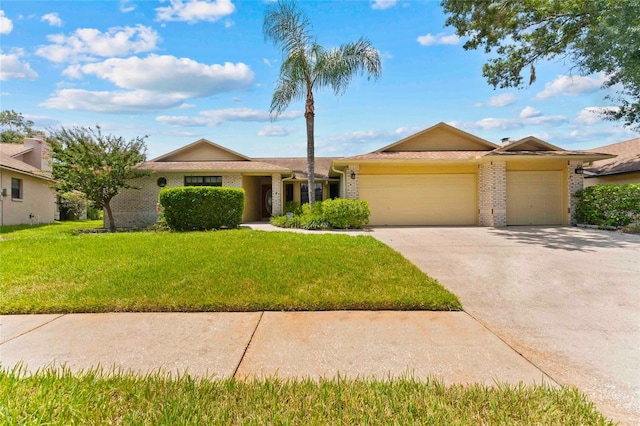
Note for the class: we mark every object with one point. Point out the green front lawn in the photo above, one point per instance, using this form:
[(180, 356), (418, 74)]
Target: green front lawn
[(61, 398), (49, 269)]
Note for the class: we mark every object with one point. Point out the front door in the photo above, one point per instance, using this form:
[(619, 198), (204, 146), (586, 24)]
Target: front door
[(266, 201)]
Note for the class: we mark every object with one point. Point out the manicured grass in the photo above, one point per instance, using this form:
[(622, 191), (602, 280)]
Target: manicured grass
[(52, 270), (61, 398)]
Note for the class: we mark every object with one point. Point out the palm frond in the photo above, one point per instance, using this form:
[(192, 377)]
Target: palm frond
[(287, 27), (336, 67)]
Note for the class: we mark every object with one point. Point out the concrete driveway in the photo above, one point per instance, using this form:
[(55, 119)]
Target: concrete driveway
[(567, 299)]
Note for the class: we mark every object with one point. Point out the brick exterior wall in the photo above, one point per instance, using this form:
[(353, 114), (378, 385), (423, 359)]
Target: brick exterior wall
[(492, 188), (276, 194), (353, 185), (137, 207), (575, 183)]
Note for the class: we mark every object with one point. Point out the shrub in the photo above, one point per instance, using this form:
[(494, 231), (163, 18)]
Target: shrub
[(73, 206), (192, 208), (340, 213), (343, 213), (608, 205), (293, 207)]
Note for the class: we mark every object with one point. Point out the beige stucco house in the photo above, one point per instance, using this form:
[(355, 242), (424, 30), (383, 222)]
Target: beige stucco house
[(623, 168), (439, 176), (26, 193)]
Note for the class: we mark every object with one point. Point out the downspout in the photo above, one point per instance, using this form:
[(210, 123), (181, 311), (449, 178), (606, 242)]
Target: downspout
[(343, 180)]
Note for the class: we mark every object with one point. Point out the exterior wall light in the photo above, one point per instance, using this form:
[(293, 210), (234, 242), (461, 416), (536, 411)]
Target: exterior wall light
[(353, 174), (579, 170)]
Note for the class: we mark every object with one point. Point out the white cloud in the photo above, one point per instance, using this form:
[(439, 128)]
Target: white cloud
[(216, 117), (592, 115), (529, 112), (126, 6), (112, 102), (571, 86), (383, 4), (501, 100), (6, 24), (53, 19), (154, 83), (228, 23), (272, 131), (440, 38), (164, 73), (192, 11), (14, 68), (491, 123), (266, 62), (86, 44)]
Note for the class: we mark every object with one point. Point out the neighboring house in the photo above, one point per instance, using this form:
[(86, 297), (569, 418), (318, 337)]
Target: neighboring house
[(624, 168), (439, 176), (27, 195)]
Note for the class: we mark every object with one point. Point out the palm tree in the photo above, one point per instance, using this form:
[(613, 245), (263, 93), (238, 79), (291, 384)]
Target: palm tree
[(307, 65)]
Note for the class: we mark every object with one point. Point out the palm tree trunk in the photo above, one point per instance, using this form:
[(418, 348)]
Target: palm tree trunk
[(310, 115)]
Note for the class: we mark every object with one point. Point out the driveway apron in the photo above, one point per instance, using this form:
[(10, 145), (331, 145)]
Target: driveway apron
[(567, 299)]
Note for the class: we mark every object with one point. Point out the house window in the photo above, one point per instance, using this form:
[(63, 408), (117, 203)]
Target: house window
[(203, 181), (304, 192), (288, 192), (16, 189)]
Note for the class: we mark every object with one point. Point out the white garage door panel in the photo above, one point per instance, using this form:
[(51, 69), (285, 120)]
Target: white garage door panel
[(448, 199), (534, 198)]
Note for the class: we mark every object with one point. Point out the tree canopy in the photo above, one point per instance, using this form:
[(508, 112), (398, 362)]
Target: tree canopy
[(14, 127), (98, 165), (307, 66), (592, 35)]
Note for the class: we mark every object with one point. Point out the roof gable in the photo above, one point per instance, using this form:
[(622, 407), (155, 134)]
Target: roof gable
[(441, 137), (530, 143), (201, 150)]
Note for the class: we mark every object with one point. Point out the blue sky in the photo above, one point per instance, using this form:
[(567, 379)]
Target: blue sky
[(182, 70)]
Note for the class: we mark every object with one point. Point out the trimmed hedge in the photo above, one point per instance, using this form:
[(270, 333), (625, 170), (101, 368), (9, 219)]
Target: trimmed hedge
[(340, 213), (608, 205), (199, 208)]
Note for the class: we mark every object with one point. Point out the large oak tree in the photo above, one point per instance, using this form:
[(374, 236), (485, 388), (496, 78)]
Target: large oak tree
[(591, 35)]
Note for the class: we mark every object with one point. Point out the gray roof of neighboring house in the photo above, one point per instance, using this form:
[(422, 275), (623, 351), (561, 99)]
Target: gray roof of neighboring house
[(322, 165), (627, 158)]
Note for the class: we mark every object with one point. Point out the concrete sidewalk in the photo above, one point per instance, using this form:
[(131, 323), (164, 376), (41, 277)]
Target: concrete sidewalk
[(450, 346)]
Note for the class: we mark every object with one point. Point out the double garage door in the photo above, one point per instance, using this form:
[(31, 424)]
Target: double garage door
[(534, 198), (436, 199)]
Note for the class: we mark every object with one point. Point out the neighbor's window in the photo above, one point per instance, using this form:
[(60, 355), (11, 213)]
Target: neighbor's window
[(304, 192), (203, 181), (16, 189)]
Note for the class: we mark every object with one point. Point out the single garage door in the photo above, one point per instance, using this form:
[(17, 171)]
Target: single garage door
[(534, 198), (438, 199)]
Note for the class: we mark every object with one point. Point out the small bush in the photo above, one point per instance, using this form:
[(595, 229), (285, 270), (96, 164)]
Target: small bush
[(73, 206), (191, 208), (340, 213), (343, 213), (608, 205), (293, 207)]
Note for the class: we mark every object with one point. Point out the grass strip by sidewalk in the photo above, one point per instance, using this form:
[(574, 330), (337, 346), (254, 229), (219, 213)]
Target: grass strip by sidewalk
[(51, 270), (59, 398)]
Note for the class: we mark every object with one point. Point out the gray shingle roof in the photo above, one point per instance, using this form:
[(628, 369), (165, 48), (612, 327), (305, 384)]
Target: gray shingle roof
[(627, 160)]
